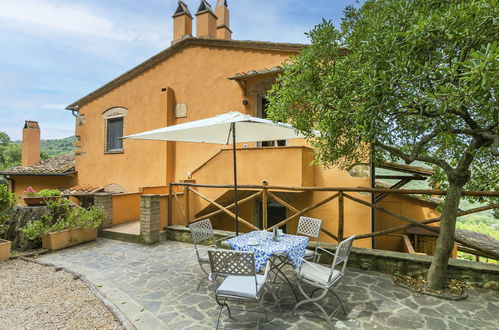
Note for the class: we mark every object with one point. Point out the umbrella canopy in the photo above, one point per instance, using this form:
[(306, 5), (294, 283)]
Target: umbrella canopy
[(222, 129), (217, 130)]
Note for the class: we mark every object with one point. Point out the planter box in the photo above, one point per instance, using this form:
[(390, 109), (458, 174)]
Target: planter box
[(39, 201), (4, 250), (66, 238)]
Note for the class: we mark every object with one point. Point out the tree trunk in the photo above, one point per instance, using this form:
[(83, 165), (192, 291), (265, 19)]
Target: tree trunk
[(445, 241)]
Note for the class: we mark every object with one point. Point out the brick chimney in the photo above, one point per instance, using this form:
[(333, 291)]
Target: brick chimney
[(31, 143), (182, 22), (206, 21), (222, 13)]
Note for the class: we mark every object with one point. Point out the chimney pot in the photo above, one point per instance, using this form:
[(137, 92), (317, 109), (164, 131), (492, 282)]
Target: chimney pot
[(222, 13), (182, 22), (31, 143), (206, 21)]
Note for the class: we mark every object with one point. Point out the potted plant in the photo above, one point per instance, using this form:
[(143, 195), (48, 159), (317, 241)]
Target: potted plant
[(65, 225), (7, 203), (33, 198)]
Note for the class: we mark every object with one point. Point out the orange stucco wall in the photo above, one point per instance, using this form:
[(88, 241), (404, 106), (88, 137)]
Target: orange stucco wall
[(41, 182), (198, 77), (126, 208)]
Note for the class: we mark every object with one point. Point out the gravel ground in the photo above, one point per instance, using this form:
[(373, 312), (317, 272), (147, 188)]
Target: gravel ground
[(37, 297)]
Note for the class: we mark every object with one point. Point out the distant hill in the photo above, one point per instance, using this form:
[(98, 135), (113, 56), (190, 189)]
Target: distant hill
[(57, 147), (54, 147)]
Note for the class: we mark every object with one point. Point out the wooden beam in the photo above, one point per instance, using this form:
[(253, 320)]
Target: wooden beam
[(224, 209), (170, 205), (346, 189), (187, 206), (433, 220), (400, 177), (397, 185), (420, 224), (341, 216), (316, 205), (283, 203), (180, 207), (330, 234), (242, 201), (264, 208)]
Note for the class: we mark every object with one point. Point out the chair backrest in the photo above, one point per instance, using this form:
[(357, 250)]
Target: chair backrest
[(309, 227), (232, 263), (341, 255), (201, 230)]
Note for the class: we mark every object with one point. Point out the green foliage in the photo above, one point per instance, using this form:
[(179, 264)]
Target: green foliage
[(58, 147), (7, 203), (11, 152), (419, 82), (48, 193), (62, 216)]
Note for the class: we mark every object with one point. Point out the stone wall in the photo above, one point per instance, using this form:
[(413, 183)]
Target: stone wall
[(19, 218), (390, 262)]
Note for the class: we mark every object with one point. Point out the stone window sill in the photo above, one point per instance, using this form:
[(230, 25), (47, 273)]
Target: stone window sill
[(119, 151)]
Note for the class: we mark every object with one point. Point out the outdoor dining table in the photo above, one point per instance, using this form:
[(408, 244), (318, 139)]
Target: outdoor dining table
[(264, 248)]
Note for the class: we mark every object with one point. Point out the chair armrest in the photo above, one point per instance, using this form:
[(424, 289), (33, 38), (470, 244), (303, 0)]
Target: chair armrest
[(322, 249)]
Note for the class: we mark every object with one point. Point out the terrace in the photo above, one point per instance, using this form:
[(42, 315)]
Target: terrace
[(155, 287)]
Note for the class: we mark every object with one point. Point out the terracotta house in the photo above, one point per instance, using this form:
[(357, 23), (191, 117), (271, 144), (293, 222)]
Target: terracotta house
[(202, 74)]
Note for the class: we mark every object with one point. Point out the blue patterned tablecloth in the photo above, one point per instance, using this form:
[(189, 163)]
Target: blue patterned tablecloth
[(294, 246)]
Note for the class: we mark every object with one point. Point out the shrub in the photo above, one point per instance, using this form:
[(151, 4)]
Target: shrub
[(62, 215), (7, 203), (30, 192), (48, 193)]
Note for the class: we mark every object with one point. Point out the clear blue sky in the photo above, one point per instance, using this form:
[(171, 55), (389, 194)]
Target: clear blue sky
[(55, 51)]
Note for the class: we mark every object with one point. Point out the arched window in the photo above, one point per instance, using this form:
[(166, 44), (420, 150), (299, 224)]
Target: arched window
[(114, 125)]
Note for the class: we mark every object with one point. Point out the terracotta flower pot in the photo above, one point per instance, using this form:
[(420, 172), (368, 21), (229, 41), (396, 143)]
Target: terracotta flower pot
[(66, 238), (4, 249), (39, 201)]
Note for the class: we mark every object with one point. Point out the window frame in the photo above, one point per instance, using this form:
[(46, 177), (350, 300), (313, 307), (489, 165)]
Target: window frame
[(109, 115)]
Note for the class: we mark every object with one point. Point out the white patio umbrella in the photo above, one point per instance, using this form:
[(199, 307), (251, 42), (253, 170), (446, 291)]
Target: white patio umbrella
[(232, 127)]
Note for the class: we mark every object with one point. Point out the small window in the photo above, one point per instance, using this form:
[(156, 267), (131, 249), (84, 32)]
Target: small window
[(114, 133)]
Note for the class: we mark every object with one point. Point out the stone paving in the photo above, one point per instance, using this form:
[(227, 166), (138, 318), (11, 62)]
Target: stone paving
[(155, 287)]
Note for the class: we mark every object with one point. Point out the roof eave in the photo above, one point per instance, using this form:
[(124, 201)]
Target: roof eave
[(190, 41)]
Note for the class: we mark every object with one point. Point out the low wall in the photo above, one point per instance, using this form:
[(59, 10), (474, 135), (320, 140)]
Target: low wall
[(390, 262), (126, 208)]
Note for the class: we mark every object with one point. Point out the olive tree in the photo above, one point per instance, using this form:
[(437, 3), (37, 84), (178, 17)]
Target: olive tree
[(415, 80)]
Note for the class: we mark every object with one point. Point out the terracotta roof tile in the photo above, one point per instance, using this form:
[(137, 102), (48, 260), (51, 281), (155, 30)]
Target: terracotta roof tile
[(253, 73), (60, 166), (82, 189)]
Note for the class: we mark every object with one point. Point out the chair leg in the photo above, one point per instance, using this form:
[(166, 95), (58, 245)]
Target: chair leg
[(275, 299), (204, 278), (260, 308), (341, 303), (314, 301)]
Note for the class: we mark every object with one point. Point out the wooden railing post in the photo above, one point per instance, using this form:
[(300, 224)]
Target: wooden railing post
[(170, 205), (341, 216), (264, 208), (186, 195)]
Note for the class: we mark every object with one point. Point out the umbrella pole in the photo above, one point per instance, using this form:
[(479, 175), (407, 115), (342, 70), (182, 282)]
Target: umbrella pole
[(233, 128)]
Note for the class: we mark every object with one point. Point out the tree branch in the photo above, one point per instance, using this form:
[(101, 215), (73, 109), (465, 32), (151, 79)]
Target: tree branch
[(408, 159)]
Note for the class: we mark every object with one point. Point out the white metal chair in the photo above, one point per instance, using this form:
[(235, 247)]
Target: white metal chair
[(324, 278), (310, 227), (240, 281), (202, 231)]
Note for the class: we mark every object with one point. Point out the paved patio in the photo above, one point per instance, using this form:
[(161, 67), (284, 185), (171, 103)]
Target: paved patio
[(155, 287)]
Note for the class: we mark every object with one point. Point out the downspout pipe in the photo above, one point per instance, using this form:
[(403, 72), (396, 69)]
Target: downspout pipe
[(12, 183)]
